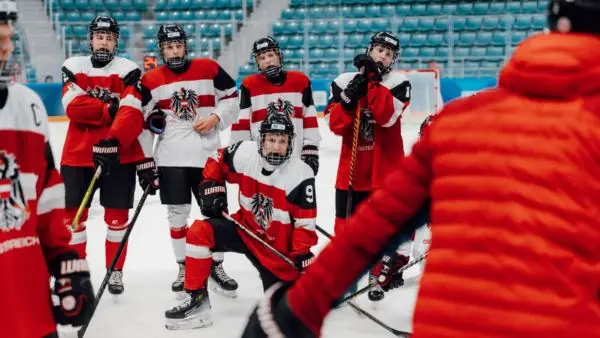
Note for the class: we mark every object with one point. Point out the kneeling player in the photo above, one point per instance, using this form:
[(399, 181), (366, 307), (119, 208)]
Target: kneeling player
[(277, 202)]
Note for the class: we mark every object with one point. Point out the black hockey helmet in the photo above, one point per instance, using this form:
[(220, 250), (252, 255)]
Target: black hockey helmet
[(386, 40), (281, 124), (265, 44), (105, 24), (168, 33), (8, 16), (577, 16)]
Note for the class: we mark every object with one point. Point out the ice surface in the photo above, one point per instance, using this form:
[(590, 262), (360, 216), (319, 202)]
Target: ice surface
[(150, 268)]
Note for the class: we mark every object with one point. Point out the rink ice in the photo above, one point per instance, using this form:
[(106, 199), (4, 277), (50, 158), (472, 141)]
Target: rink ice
[(150, 269)]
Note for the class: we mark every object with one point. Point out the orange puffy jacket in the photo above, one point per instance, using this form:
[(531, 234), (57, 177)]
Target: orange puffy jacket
[(514, 177)]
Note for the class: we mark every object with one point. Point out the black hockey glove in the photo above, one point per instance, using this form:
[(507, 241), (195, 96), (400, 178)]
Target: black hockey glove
[(156, 121), (106, 154), (302, 261), (148, 175), (363, 61), (73, 289), (274, 318), (356, 90), (113, 107), (213, 199), (388, 277), (310, 156)]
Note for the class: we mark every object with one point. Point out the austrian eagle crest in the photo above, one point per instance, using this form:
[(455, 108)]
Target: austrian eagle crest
[(366, 125), (262, 206), (13, 208), (183, 104), (100, 93), (282, 107)]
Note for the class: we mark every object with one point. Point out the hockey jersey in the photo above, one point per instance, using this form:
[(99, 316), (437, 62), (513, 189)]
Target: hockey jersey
[(202, 89), (86, 94), (380, 143), (32, 228), (259, 97), (281, 207)]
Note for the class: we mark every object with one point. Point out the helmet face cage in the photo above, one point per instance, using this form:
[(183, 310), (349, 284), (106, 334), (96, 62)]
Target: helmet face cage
[(106, 25), (276, 159), (8, 16), (264, 45), (388, 41), (168, 34)]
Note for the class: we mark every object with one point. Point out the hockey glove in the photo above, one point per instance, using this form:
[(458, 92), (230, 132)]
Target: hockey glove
[(213, 199), (302, 261), (274, 318), (113, 107), (73, 288), (148, 175), (156, 121), (310, 156), (363, 61), (356, 90), (387, 271), (106, 154)]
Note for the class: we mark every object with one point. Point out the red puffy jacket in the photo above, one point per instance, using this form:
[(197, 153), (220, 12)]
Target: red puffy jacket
[(513, 174)]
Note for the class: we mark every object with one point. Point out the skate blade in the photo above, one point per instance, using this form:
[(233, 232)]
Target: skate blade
[(214, 286), (194, 322)]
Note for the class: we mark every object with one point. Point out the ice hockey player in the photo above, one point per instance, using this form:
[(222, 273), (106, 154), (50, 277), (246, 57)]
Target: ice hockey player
[(187, 102), (277, 202), (98, 136), (381, 96), (277, 90), (513, 172), (34, 241)]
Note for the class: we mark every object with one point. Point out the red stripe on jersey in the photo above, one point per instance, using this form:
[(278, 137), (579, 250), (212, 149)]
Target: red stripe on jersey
[(200, 69), (111, 83), (310, 122), (235, 94), (241, 125), (250, 186), (258, 84), (260, 114), (302, 213), (203, 102)]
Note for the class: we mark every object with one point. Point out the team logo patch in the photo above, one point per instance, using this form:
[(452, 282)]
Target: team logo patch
[(100, 93), (366, 125), (282, 107), (184, 103), (13, 208), (262, 206)]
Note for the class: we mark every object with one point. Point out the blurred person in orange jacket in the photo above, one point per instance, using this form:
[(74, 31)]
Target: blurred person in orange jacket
[(512, 174)]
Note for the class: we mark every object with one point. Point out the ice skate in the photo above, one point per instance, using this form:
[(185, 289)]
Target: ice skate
[(220, 282), (192, 313), (115, 283)]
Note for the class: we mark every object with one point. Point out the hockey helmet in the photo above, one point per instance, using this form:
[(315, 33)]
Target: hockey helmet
[(280, 124), (265, 44), (105, 24), (168, 33), (386, 40), (8, 17), (578, 16)]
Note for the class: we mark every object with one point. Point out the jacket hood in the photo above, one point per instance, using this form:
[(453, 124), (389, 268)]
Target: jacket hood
[(554, 65)]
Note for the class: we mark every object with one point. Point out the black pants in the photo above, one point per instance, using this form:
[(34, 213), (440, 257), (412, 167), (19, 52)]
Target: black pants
[(116, 189), (227, 239), (341, 201), (176, 184)]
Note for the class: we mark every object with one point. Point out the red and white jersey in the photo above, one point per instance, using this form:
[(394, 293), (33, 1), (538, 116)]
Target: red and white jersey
[(259, 97), (280, 207), (204, 88), (32, 228), (87, 91), (380, 143)]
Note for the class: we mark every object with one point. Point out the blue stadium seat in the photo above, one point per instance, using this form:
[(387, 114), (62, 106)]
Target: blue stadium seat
[(434, 9), (480, 8), (296, 41), (313, 40), (461, 52), (133, 16), (483, 38), (474, 23), (84, 47), (364, 25), (542, 6), (441, 52), (81, 4), (316, 53), (529, 7), (87, 16), (67, 5), (214, 30), (118, 15), (199, 15), (279, 27), (410, 52), (204, 43), (449, 8), (522, 23), (427, 52), (300, 14), (332, 53), (225, 14), (124, 32), (506, 22), (73, 17), (499, 38), (126, 5), (333, 26), (538, 22), (358, 12), (80, 31), (373, 11), (513, 7), (121, 47), (409, 25), (388, 10), (190, 29), (346, 12), (327, 40), (465, 8), (490, 23), (140, 5), (380, 24), (441, 24), (331, 12), (68, 31), (319, 27), (288, 14), (150, 44), (212, 15), (435, 39), (349, 53), (335, 69), (162, 16), (174, 5), (426, 24), (238, 14), (287, 53), (350, 26), (216, 43), (404, 38), (402, 10), (315, 13), (497, 7), (517, 36), (466, 39), (160, 5), (418, 40), (355, 40), (174, 15), (246, 70), (209, 4), (111, 5), (495, 52), (459, 23), (96, 5), (418, 10)]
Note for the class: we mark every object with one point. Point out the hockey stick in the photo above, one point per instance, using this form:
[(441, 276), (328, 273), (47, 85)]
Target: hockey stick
[(289, 261), (354, 149), (86, 198), (110, 270)]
